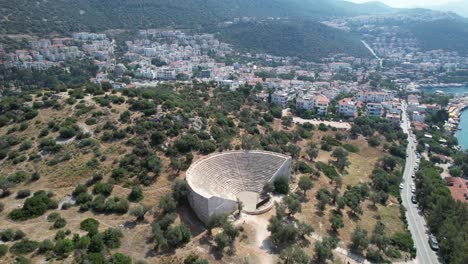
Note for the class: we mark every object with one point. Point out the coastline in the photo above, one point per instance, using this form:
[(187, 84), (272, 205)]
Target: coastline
[(456, 107), (462, 129)]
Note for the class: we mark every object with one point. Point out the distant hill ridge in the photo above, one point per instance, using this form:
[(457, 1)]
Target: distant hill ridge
[(306, 40), (21, 16)]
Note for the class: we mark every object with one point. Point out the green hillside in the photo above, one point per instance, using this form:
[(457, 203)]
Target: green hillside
[(71, 15), (447, 34), (306, 40)]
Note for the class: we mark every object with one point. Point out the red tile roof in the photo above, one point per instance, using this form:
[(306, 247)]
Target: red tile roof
[(458, 188)]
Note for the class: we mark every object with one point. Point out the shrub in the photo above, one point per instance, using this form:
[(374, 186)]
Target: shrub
[(23, 194), (403, 241), (302, 167), (119, 258), (24, 246), (35, 176), (194, 259), (63, 247), (52, 217), (79, 189), (96, 258), (96, 244), (90, 225), (22, 260), (45, 246), (103, 188), (59, 223), (281, 185), (178, 235), (116, 205), (19, 235), (373, 141), (17, 177), (167, 204), (34, 207), (3, 250), (328, 170), (83, 198), (112, 237), (180, 190), (66, 206), (136, 194), (7, 235), (351, 148)]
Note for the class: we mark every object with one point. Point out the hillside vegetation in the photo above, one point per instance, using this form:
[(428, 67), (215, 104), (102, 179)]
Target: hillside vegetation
[(71, 15), (447, 34), (306, 40)]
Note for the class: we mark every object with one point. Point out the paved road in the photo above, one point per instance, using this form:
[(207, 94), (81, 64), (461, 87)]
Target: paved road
[(416, 221)]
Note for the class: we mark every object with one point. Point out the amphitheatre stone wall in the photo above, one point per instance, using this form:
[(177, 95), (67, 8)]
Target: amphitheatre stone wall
[(216, 179)]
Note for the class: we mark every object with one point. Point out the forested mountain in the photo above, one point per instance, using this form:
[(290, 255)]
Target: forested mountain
[(447, 34), (306, 40), (71, 15)]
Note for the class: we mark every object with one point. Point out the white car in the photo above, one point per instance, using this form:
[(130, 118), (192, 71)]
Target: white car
[(413, 190), (401, 186)]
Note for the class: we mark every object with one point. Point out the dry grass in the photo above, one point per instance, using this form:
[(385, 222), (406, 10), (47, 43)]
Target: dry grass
[(362, 163), (62, 178)]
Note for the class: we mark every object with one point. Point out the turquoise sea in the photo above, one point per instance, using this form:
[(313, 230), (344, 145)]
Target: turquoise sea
[(462, 133)]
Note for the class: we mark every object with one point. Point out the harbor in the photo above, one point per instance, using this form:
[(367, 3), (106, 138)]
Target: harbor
[(457, 110)]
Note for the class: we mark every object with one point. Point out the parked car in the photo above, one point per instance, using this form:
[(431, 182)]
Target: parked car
[(433, 242), (413, 199), (401, 186), (413, 190)]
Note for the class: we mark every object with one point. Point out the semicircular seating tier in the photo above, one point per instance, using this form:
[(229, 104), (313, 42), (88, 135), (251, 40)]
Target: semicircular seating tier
[(221, 176)]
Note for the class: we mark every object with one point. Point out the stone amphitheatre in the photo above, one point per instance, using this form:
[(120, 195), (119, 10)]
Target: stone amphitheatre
[(218, 181)]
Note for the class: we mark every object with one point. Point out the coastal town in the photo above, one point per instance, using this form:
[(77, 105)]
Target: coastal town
[(194, 108), (316, 90)]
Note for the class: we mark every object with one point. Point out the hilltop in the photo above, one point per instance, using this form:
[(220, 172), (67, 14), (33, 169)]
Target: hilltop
[(91, 15), (306, 40)]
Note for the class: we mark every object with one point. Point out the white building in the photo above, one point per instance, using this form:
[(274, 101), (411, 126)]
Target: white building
[(347, 108), (305, 102), (166, 74), (321, 103), (146, 73), (374, 97), (375, 109), (280, 98), (232, 85), (418, 116)]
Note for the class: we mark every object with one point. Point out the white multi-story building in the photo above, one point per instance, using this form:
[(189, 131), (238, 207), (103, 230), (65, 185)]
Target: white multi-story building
[(280, 98), (418, 116), (321, 103), (305, 102), (375, 109), (392, 107), (232, 85), (347, 107), (166, 74), (374, 97), (146, 73)]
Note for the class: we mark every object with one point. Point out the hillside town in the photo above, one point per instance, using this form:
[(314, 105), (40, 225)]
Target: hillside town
[(157, 55), (190, 149)]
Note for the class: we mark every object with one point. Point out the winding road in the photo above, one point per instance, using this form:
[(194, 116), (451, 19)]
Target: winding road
[(416, 222)]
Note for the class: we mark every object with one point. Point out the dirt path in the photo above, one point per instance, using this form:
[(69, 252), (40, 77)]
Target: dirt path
[(316, 122), (262, 246)]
